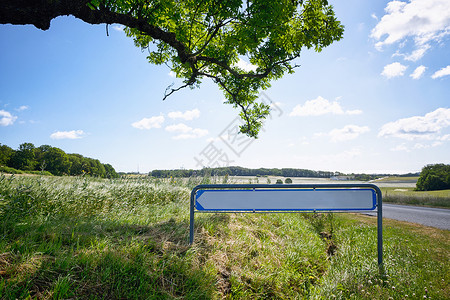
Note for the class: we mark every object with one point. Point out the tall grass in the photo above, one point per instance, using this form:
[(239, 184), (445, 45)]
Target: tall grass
[(409, 196), (87, 238)]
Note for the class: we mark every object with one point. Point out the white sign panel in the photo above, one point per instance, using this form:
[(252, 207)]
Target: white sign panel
[(285, 199)]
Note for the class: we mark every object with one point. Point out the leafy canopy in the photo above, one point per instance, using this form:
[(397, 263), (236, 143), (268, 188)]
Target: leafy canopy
[(434, 177), (201, 39)]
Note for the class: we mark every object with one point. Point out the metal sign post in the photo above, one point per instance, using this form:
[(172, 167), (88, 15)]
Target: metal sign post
[(267, 198)]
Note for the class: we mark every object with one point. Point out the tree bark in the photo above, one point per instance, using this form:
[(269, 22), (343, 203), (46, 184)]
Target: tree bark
[(40, 13), (36, 12)]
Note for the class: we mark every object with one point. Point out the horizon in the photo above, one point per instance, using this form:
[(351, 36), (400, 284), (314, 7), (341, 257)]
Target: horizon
[(376, 102), (325, 171)]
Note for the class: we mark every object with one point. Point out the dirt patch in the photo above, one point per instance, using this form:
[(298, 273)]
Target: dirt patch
[(14, 265), (224, 283), (6, 260), (331, 246)]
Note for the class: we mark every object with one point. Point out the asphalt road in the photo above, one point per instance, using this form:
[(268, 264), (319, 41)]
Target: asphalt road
[(433, 217)]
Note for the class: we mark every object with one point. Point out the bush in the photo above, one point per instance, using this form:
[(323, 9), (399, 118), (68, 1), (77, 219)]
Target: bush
[(434, 177), (288, 180), (9, 170)]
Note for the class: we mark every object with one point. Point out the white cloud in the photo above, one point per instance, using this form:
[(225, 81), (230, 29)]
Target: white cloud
[(242, 64), (418, 53), (187, 115), (172, 74), (423, 20), (374, 16), (148, 123), (421, 146), (418, 72), (426, 146), (401, 147), (415, 55), (6, 118), (361, 27), (186, 131), (418, 127), (213, 139), (444, 138), (179, 128), (394, 70), (194, 134), (319, 134), (354, 112), (442, 72), (320, 106), (349, 132), (304, 141), (275, 104), (72, 135), (23, 107), (118, 27)]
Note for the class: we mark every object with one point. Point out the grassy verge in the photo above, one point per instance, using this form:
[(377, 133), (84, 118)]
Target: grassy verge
[(89, 238), (408, 196), (8, 170)]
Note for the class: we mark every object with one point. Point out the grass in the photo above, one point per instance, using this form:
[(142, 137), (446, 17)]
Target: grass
[(393, 179), (87, 238), (408, 196), (8, 170)]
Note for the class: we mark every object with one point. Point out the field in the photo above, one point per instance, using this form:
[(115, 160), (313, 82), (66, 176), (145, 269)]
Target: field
[(87, 238), (398, 190), (395, 179), (408, 196)]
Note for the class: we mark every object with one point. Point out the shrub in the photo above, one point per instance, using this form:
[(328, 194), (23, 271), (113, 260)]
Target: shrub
[(9, 170), (434, 177)]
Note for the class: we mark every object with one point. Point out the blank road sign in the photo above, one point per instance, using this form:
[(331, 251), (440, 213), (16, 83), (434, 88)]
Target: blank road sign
[(285, 199), (211, 198)]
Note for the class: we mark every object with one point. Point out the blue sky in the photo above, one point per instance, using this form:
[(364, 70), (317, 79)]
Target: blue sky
[(376, 101)]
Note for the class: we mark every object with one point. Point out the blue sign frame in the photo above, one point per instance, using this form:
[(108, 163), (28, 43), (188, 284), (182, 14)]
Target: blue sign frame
[(276, 192), (197, 207)]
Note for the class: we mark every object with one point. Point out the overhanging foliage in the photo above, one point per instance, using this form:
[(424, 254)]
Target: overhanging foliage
[(206, 39)]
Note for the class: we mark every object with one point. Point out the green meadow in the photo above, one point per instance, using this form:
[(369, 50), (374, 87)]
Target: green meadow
[(127, 238), (409, 196)]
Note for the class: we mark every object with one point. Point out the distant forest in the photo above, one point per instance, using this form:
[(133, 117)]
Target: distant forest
[(50, 159), (240, 171)]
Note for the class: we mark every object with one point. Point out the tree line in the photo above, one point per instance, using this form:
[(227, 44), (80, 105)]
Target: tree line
[(283, 172), (434, 177), (53, 160), (241, 171)]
